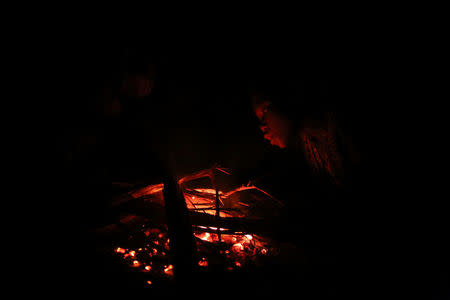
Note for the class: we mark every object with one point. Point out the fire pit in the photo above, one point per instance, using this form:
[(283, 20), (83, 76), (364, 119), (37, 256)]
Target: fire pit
[(228, 228)]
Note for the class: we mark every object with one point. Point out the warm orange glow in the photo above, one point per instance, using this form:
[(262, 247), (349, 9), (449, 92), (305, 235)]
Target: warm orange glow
[(203, 262), (208, 191), (120, 250), (206, 237), (238, 247), (136, 263), (169, 270)]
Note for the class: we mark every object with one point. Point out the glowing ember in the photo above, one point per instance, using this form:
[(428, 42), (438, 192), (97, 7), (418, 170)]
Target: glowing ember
[(238, 247), (120, 250), (203, 262), (148, 251), (169, 270), (205, 236), (136, 263)]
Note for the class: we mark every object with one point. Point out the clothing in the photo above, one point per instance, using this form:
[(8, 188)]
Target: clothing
[(319, 191)]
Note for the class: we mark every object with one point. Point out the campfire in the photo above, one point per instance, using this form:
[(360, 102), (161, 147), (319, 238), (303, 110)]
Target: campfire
[(225, 227)]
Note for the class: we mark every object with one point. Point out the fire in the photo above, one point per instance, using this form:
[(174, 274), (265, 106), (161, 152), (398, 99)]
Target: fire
[(120, 250), (238, 247), (205, 236), (136, 263), (169, 270), (203, 262)]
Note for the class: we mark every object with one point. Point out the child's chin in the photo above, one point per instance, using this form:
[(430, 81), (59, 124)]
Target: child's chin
[(278, 144)]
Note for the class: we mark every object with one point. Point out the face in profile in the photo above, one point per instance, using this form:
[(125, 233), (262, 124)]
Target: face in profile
[(275, 127)]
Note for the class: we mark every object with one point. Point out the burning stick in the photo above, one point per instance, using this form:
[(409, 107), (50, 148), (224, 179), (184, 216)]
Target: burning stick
[(210, 174), (251, 187)]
